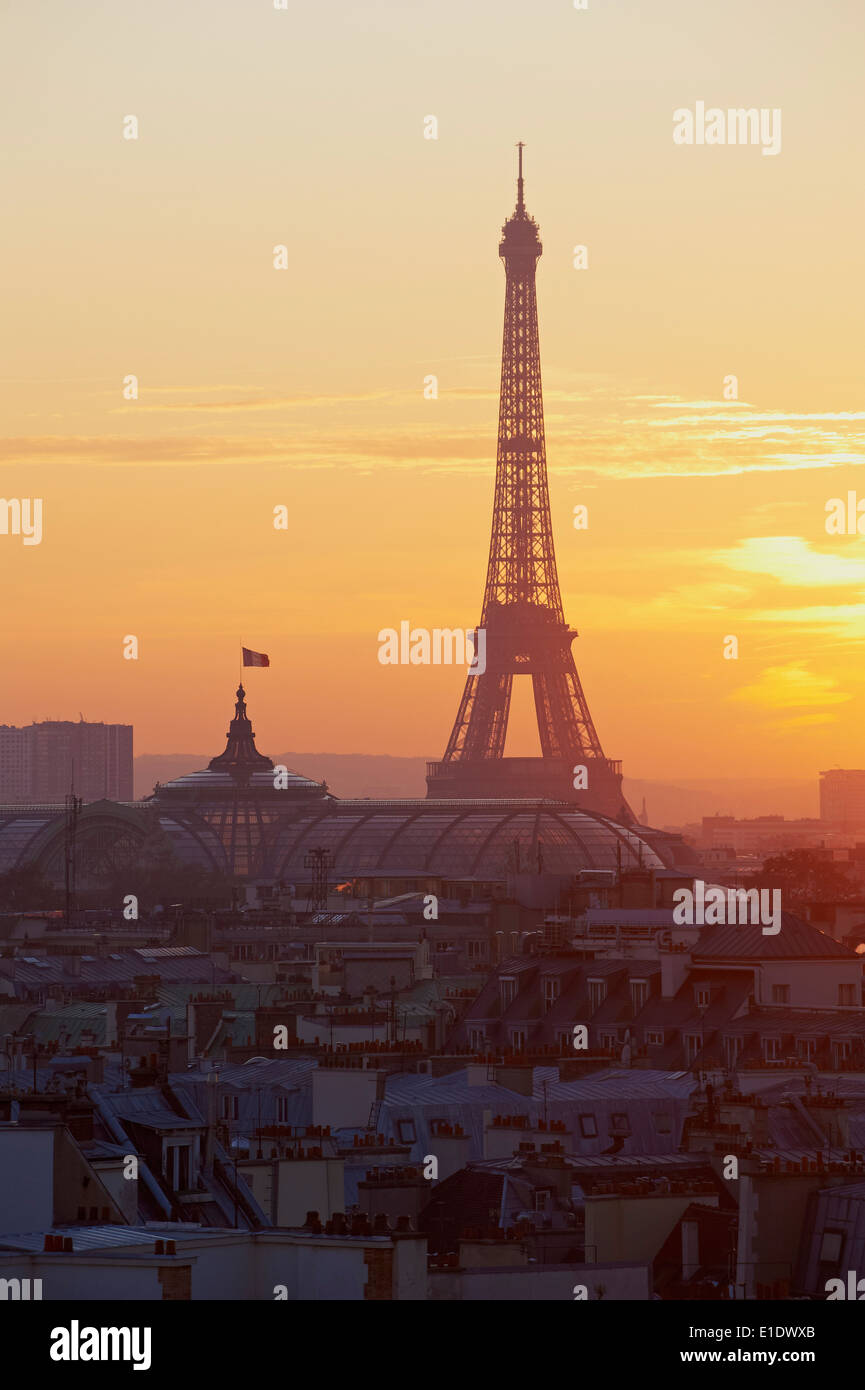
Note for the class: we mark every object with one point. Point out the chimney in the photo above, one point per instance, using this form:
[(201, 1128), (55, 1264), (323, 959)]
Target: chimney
[(450, 1146), (203, 1017), (519, 1078), (393, 1191)]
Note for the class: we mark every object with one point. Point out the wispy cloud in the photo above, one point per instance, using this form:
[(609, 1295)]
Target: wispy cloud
[(250, 403), (791, 686), (592, 432), (792, 560)]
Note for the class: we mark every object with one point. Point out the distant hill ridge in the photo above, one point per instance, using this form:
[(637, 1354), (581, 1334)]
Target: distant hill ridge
[(380, 776)]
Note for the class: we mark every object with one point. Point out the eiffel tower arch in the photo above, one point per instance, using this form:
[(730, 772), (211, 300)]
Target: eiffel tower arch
[(522, 614)]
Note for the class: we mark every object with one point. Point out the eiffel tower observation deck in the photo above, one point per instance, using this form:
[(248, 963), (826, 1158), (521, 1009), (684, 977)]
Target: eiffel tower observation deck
[(522, 614)]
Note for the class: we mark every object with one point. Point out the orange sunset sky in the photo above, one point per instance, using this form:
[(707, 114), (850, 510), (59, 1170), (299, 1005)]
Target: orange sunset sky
[(304, 387)]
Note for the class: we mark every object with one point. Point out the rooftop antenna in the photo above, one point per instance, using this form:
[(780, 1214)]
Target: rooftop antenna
[(521, 207), (73, 809)]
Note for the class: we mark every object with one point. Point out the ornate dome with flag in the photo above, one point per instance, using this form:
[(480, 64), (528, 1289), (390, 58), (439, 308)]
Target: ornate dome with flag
[(245, 817)]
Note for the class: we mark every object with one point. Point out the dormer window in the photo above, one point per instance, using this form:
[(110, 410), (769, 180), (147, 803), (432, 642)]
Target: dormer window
[(507, 991), (552, 990), (597, 994)]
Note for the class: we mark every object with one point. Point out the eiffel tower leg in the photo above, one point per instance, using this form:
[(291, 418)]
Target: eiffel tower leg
[(564, 723), (482, 720)]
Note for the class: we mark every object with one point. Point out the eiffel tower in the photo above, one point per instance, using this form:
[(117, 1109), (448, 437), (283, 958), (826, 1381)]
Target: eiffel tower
[(522, 616)]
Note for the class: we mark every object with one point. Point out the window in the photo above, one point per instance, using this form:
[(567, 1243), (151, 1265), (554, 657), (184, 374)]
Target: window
[(609, 1039), (693, 1045), (406, 1131), (282, 1110), (771, 1049), (620, 1124), (780, 994), (655, 1037), (176, 1165), (478, 1039), (842, 1050), (476, 949), (807, 1049), (564, 1040), (518, 1039), (639, 994), (229, 1108), (597, 994), (703, 996), (588, 1127), (552, 990), (543, 1199), (732, 1048), (663, 1122), (831, 1246), (507, 991), (846, 994)]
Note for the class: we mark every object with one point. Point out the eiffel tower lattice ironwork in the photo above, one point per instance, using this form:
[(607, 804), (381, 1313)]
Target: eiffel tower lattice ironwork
[(522, 617)]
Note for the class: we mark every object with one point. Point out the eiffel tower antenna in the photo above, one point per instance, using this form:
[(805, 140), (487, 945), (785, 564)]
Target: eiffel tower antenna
[(522, 614)]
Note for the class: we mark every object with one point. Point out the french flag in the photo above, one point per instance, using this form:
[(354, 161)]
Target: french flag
[(254, 658)]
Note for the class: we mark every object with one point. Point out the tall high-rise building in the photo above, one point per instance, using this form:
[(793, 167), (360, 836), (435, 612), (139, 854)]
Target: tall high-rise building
[(40, 763), (16, 764), (522, 616), (842, 799)]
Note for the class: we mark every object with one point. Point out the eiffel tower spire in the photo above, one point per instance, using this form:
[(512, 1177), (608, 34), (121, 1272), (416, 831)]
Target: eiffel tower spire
[(522, 614)]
